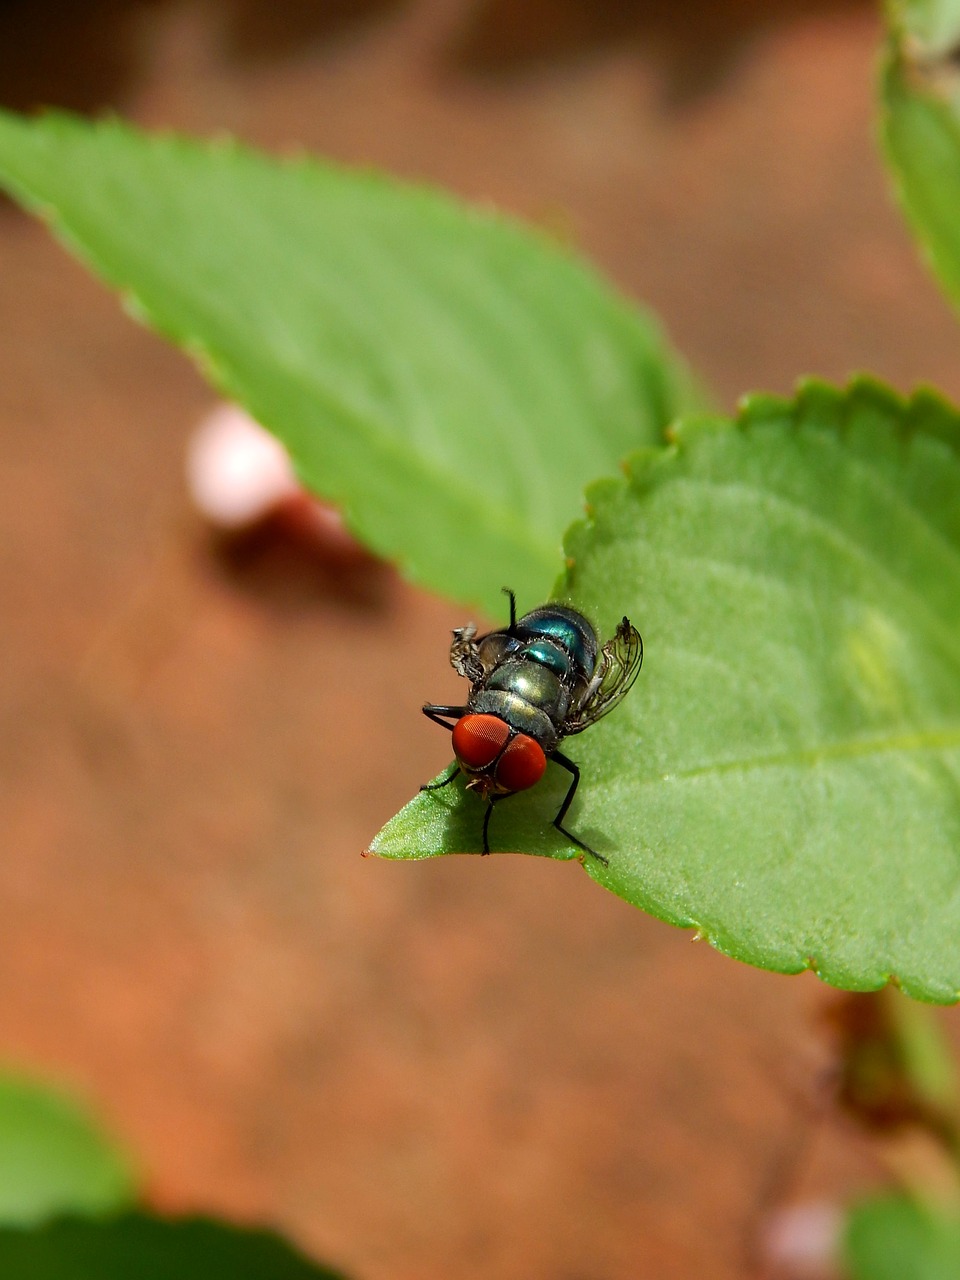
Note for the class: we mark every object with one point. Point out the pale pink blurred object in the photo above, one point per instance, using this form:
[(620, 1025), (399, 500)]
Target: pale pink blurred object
[(240, 476), (236, 472), (801, 1240)]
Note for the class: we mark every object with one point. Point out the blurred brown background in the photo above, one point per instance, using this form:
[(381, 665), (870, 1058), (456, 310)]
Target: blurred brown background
[(470, 1068)]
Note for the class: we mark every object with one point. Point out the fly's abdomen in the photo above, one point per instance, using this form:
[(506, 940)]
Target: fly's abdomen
[(552, 656), (559, 626)]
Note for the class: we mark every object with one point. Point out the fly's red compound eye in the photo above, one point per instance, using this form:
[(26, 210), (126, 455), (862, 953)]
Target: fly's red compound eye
[(522, 764), (478, 740)]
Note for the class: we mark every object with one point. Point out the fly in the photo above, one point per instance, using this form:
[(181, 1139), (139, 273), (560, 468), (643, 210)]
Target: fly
[(534, 683)]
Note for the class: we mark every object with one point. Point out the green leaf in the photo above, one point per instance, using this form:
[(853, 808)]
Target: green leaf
[(138, 1247), (783, 776), (920, 128), (933, 26), (449, 377), (893, 1238), (52, 1158), (926, 1054)]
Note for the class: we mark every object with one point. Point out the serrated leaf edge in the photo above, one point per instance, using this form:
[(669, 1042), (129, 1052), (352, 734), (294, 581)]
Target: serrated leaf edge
[(639, 470)]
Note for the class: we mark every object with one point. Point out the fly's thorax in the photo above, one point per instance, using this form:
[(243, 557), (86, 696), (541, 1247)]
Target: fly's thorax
[(563, 628), (518, 713), (535, 684)]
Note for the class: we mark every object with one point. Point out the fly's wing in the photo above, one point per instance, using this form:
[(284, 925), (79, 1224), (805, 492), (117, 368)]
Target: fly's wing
[(475, 658), (464, 653), (617, 667)]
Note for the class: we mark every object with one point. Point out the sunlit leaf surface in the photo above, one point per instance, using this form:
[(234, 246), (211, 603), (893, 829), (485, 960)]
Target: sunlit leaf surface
[(785, 775), (449, 377)]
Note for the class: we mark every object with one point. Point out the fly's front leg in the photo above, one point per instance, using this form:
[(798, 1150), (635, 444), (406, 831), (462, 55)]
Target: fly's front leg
[(567, 801), (486, 824), (435, 786), (440, 715)]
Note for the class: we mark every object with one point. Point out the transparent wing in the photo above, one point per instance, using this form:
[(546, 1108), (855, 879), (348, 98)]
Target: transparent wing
[(617, 667)]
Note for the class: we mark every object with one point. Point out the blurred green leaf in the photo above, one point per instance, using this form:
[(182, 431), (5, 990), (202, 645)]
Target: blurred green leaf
[(926, 1055), (784, 775), (449, 377), (920, 127), (893, 1238), (53, 1159), (138, 1247), (933, 25)]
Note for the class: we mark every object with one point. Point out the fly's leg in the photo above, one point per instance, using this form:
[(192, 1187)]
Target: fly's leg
[(440, 715), (567, 800), (435, 786), (486, 824), (513, 606)]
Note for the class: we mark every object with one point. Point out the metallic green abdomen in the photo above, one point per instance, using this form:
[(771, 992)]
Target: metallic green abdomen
[(566, 628), (549, 655)]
